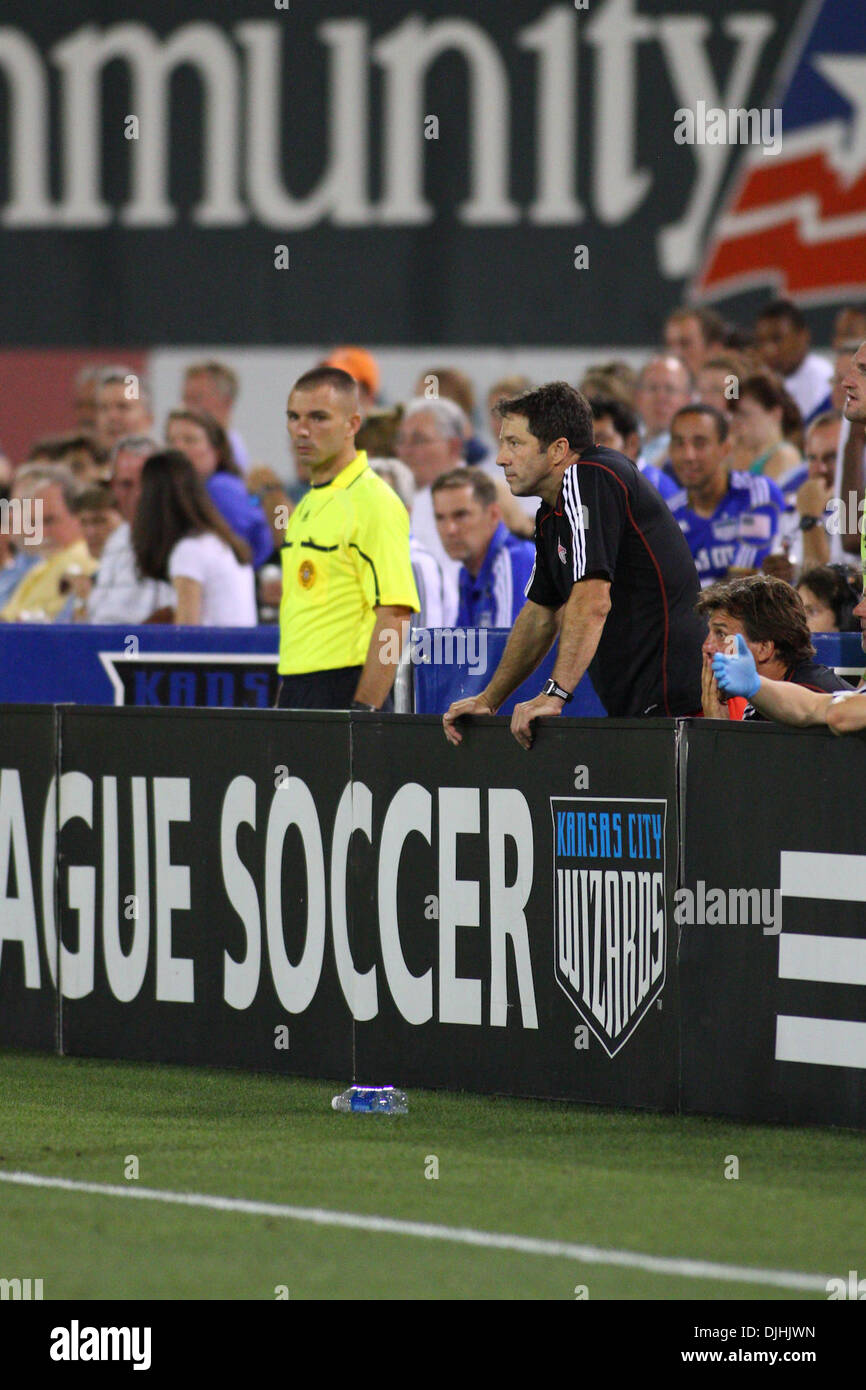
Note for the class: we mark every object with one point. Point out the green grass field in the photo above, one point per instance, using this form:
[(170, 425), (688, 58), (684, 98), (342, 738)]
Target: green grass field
[(618, 1180)]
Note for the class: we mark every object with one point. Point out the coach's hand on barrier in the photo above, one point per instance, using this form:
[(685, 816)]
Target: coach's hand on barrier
[(737, 675), (539, 708), (475, 704)]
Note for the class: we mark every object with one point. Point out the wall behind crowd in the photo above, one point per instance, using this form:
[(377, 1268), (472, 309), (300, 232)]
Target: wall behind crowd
[(37, 386), (266, 375)]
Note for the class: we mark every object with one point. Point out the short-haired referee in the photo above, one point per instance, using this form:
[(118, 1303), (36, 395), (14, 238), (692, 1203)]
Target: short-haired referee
[(348, 588)]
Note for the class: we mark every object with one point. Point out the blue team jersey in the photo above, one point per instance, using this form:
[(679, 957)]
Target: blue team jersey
[(662, 483), (740, 532), (496, 595)]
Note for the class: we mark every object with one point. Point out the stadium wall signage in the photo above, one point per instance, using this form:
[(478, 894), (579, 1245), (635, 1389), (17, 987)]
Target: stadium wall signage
[(292, 151), (348, 896), (148, 666), (776, 1015), (283, 891)]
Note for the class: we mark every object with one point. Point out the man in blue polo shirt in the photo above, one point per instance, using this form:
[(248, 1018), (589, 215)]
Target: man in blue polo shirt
[(495, 565), (729, 519)]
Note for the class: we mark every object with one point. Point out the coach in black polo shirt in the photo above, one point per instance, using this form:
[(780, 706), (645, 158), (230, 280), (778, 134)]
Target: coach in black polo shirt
[(612, 572)]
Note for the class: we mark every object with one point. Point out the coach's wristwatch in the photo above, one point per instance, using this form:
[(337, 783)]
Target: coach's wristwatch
[(808, 522), (551, 688), (367, 709)]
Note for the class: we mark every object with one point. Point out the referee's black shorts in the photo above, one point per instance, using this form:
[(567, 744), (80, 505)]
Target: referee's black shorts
[(320, 689)]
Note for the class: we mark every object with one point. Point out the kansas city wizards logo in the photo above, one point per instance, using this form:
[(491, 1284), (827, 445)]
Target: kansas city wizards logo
[(797, 222), (609, 910)]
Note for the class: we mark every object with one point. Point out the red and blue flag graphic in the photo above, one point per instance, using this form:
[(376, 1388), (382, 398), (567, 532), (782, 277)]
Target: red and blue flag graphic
[(796, 221)]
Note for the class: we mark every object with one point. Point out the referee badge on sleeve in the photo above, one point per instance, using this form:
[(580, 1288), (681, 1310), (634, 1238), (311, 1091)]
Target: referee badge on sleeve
[(306, 574)]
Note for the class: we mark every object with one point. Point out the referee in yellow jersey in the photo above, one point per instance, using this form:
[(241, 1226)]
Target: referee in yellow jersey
[(348, 588)]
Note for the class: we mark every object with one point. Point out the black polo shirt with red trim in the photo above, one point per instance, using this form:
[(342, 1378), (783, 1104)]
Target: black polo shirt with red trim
[(610, 523)]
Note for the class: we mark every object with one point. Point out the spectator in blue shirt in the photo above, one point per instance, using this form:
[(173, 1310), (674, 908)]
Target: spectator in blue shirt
[(730, 520), (205, 443), (495, 565)]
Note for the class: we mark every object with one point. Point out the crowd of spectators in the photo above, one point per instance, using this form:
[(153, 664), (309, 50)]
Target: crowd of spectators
[(740, 429)]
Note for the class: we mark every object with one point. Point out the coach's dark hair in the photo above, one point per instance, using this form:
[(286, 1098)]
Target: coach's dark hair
[(327, 376), (554, 411), (696, 408), (770, 611), (622, 417), (175, 503)]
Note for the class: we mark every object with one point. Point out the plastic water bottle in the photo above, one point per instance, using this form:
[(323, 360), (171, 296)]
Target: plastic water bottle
[(372, 1100)]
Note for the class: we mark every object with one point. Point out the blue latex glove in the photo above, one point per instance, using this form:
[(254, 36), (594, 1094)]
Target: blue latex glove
[(737, 675)]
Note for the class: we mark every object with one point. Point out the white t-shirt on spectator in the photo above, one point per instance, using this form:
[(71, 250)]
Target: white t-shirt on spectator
[(810, 384), (428, 581), (228, 596), (119, 594), (424, 530)]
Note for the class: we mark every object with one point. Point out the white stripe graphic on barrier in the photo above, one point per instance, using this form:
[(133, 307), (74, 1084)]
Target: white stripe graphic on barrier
[(827, 1042), (491, 1240), (840, 877), (835, 960)]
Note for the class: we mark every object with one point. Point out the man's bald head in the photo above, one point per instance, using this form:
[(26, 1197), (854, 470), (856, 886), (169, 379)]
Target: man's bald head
[(664, 385)]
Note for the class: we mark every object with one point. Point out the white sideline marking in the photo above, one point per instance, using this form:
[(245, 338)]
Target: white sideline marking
[(490, 1240)]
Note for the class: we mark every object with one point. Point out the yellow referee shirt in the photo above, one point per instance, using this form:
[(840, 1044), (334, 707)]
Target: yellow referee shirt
[(346, 552)]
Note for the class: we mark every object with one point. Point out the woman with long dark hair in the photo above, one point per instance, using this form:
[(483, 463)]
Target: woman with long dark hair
[(206, 444), (178, 535), (767, 424)]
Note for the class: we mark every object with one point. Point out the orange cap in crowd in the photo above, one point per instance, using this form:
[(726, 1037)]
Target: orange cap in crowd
[(359, 363)]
